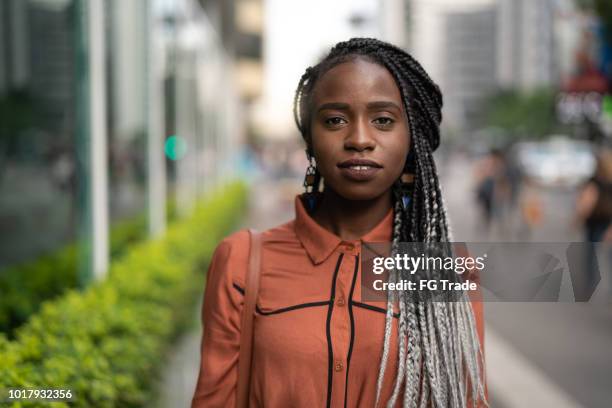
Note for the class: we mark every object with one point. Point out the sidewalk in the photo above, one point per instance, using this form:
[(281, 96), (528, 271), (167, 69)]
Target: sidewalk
[(517, 374), (271, 205)]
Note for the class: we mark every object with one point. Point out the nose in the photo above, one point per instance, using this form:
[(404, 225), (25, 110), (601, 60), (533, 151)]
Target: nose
[(359, 138)]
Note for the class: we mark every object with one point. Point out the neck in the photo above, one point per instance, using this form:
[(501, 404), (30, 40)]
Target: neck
[(351, 219)]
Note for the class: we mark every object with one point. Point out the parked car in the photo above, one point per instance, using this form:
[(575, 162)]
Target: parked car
[(557, 162)]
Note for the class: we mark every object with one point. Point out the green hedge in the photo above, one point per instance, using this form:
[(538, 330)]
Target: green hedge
[(106, 343), (25, 286)]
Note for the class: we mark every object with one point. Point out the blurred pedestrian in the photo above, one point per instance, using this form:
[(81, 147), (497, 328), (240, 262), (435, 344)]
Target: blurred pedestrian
[(594, 203), (594, 214), (514, 180), (532, 209), (492, 187)]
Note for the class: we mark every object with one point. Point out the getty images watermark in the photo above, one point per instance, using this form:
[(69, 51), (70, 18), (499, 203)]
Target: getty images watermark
[(508, 272)]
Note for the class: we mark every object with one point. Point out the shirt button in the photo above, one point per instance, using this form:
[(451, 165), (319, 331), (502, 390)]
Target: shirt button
[(340, 302), (339, 366)]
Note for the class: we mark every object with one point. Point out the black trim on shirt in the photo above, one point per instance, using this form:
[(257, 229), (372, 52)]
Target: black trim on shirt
[(350, 310), (322, 303), (374, 308), (284, 309), (294, 307), (330, 351)]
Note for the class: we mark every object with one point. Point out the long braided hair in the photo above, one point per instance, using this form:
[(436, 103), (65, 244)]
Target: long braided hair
[(440, 358)]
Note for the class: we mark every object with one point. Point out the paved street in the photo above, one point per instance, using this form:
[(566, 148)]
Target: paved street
[(539, 354)]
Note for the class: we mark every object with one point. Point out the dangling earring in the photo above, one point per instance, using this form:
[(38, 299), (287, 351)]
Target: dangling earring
[(310, 182), (406, 181)]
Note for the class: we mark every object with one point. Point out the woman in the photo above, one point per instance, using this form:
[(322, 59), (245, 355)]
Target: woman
[(370, 117)]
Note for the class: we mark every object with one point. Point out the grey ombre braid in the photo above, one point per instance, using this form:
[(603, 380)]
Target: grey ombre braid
[(439, 350)]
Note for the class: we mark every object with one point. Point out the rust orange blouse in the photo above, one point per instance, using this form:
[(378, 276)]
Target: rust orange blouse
[(315, 343)]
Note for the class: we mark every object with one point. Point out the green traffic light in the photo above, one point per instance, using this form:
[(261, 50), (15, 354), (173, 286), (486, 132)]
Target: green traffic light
[(175, 147)]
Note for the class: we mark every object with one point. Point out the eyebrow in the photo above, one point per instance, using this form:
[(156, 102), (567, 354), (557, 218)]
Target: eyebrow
[(383, 105), (334, 105), (370, 105)]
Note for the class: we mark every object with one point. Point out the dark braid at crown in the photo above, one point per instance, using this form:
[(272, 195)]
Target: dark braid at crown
[(438, 344)]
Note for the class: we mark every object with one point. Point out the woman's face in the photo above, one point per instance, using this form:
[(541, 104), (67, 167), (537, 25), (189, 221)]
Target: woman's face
[(359, 129)]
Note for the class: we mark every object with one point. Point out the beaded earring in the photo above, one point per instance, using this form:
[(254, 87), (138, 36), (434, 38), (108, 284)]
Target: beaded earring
[(406, 182), (310, 182), (406, 185)]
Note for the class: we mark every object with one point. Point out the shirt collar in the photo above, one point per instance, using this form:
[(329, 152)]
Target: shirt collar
[(321, 243)]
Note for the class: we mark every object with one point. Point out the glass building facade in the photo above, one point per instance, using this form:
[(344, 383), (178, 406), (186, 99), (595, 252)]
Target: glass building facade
[(111, 111)]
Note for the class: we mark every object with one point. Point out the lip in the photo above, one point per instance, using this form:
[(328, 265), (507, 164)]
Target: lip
[(359, 169), (359, 162)]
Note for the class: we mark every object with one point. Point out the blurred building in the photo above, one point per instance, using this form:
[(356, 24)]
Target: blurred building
[(109, 110), (37, 125), (454, 40), (469, 63), (525, 46), (36, 57), (395, 22), (249, 48), (241, 24), (569, 27)]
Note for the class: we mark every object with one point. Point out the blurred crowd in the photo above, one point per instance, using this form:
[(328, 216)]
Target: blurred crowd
[(509, 194)]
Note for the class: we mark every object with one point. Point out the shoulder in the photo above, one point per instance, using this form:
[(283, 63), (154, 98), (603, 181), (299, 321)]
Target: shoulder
[(235, 242), (239, 242), (230, 257), (280, 235), (232, 254)]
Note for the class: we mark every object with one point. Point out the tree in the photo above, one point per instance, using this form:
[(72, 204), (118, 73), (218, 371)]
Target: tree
[(529, 114)]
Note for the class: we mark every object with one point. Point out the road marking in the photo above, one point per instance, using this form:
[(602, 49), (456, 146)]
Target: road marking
[(515, 382)]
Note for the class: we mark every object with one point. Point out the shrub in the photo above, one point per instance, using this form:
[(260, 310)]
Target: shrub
[(24, 287), (106, 343)]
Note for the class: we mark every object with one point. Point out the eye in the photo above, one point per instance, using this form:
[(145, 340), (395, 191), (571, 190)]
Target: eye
[(335, 121), (383, 121)]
